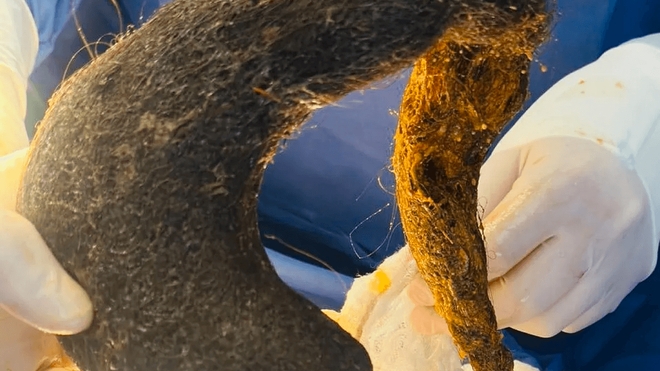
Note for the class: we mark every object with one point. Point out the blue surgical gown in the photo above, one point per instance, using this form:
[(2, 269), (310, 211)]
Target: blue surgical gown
[(328, 197)]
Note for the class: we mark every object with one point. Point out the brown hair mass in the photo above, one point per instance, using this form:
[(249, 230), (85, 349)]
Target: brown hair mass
[(460, 95)]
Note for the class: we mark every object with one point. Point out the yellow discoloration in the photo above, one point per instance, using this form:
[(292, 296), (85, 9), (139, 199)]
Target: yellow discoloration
[(380, 282)]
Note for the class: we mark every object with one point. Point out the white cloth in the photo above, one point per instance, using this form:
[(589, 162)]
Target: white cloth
[(377, 312)]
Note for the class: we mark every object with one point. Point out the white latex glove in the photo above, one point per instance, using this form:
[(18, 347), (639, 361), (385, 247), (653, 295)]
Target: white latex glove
[(18, 50), (571, 198), (35, 291), (377, 312)]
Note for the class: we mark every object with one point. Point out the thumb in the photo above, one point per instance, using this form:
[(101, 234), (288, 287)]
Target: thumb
[(11, 169), (33, 285), (424, 319)]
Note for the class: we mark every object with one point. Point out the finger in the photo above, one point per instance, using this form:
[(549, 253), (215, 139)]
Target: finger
[(603, 307), (576, 302), (11, 168), (527, 216), (610, 293), (538, 282), (600, 289), (419, 292), (496, 178), (35, 287), (426, 321)]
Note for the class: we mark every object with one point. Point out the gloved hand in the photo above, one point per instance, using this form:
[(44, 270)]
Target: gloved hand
[(377, 313), (570, 199), (36, 294), (569, 233)]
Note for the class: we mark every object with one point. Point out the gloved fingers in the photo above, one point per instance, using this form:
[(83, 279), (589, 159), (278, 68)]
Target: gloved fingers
[(426, 321), (527, 216), (612, 260), (539, 281), (606, 305), (626, 260), (496, 178), (419, 292), (519, 295), (11, 168), (35, 287), (585, 295), (613, 280)]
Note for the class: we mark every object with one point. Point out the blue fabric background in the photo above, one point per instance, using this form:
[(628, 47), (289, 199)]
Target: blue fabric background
[(330, 192)]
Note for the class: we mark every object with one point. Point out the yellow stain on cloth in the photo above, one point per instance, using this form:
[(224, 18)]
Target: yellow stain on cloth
[(367, 289), (380, 282)]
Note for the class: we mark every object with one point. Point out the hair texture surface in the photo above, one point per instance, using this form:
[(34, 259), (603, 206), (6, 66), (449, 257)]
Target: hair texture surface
[(144, 173), (460, 95)]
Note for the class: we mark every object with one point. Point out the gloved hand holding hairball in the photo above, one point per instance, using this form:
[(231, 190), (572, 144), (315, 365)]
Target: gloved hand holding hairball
[(570, 200), (37, 297)]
